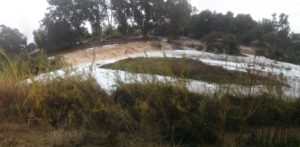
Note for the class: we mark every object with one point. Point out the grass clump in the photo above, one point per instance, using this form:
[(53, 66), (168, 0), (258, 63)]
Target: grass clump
[(175, 113), (273, 137), (185, 118), (157, 114), (64, 101)]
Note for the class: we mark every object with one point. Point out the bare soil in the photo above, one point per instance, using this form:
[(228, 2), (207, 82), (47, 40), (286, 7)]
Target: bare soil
[(247, 50), (20, 135), (112, 51)]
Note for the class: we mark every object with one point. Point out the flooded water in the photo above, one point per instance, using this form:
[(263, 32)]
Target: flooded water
[(290, 73)]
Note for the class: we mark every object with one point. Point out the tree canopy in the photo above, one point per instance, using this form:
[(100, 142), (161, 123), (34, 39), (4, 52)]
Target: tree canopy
[(11, 40), (65, 24)]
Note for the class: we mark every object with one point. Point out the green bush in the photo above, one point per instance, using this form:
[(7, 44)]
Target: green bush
[(272, 112), (273, 137), (176, 113), (222, 42)]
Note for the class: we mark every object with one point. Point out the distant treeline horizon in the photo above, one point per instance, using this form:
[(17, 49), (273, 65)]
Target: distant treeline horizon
[(64, 26)]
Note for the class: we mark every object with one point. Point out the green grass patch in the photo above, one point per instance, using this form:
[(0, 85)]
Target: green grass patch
[(191, 69)]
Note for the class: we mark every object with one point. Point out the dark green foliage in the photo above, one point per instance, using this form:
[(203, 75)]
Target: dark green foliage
[(11, 40), (250, 37), (122, 13), (275, 112), (64, 26), (222, 43), (273, 137), (176, 113), (271, 36), (59, 35), (295, 117), (157, 14), (243, 23), (197, 119), (201, 24), (177, 12), (95, 12), (206, 22), (31, 46), (231, 44)]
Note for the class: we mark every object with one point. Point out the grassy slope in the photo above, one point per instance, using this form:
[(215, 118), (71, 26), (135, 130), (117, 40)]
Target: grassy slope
[(152, 114), (192, 69), (77, 112)]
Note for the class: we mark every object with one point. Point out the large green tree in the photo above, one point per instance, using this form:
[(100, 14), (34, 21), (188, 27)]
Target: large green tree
[(94, 11), (178, 12), (69, 12), (202, 24), (142, 13), (122, 13), (11, 40), (62, 26), (242, 24), (59, 33)]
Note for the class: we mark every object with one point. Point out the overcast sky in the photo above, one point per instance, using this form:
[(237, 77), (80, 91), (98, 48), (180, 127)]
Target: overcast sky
[(26, 14)]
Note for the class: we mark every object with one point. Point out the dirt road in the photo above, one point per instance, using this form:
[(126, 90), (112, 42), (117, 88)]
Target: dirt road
[(113, 51)]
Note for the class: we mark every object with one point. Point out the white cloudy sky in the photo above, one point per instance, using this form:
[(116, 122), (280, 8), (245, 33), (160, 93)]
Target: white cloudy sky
[(26, 14), (22, 14)]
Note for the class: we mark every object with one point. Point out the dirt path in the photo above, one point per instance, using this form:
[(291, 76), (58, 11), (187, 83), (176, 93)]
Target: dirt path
[(247, 50), (113, 51)]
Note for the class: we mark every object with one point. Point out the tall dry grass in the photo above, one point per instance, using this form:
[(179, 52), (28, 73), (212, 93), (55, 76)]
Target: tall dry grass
[(147, 112)]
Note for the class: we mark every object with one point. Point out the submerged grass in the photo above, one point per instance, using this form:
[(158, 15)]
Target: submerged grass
[(75, 111)]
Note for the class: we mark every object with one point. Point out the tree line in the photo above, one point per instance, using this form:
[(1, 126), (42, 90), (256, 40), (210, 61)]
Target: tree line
[(65, 25), (271, 33)]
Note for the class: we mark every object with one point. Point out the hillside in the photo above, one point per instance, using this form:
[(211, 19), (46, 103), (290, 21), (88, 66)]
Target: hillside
[(151, 93), (152, 73), (248, 63)]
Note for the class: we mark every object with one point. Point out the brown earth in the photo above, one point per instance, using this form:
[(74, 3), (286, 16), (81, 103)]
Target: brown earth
[(20, 135), (112, 51), (247, 50)]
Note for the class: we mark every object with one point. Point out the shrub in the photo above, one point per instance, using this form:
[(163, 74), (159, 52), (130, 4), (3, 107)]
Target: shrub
[(81, 104), (222, 42), (175, 112), (273, 137), (231, 44), (272, 112)]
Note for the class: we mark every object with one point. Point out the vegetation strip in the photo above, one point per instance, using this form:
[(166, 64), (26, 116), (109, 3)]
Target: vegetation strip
[(192, 69)]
